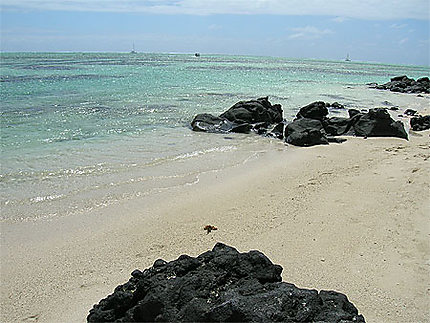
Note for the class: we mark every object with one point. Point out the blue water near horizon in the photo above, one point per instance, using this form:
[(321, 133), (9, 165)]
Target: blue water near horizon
[(80, 130)]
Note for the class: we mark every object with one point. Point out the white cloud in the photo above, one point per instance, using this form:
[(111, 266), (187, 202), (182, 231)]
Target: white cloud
[(339, 19), (370, 9), (214, 27), (402, 41), (26, 31), (398, 26), (309, 32)]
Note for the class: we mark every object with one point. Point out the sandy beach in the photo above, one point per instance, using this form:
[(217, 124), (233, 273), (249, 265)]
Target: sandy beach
[(134, 133), (349, 217)]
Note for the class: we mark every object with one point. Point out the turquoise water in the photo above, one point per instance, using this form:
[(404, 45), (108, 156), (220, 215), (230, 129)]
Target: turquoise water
[(84, 130)]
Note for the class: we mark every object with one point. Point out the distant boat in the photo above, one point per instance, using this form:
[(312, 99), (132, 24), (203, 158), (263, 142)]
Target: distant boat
[(347, 58), (197, 54), (133, 51)]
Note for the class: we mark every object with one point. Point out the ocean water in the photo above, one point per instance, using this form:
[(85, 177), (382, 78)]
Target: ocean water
[(81, 131)]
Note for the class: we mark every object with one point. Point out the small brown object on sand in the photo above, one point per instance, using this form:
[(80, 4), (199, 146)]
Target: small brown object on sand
[(209, 228)]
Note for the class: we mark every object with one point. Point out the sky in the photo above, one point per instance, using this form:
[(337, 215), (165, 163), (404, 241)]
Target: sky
[(387, 31)]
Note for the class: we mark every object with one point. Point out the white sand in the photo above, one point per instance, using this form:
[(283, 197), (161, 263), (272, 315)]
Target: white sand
[(352, 217)]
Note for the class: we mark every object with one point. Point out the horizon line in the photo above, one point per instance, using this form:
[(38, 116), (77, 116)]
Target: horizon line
[(352, 61)]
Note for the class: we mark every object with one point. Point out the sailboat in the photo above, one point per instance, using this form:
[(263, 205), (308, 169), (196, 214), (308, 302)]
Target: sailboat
[(133, 51), (347, 58)]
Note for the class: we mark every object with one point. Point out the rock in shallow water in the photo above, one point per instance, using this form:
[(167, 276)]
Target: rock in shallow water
[(254, 111), (311, 126), (221, 285), (242, 117), (209, 123), (405, 84)]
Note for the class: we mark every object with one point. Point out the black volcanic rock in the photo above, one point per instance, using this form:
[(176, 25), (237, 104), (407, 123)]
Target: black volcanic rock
[(305, 132), (221, 285), (405, 84), (338, 126), (353, 112), (311, 126), (423, 80), (420, 123), (269, 130), (378, 123), (335, 105), (399, 78), (277, 131), (254, 111), (410, 112), (315, 110), (258, 115), (209, 123)]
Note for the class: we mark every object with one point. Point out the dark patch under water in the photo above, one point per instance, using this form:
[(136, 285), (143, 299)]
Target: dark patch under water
[(47, 67), (339, 97), (29, 78), (295, 69)]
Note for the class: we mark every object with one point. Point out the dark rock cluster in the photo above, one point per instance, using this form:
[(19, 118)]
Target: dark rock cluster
[(405, 84), (258, 115), (221, 285), (312, 125), (420, 123)]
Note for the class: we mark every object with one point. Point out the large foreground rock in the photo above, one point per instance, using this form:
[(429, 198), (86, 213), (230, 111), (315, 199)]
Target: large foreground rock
[(221, 285), (378, 123), (405, 84)]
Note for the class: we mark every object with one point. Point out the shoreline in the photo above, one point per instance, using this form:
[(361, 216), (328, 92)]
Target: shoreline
[(348, 217)]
